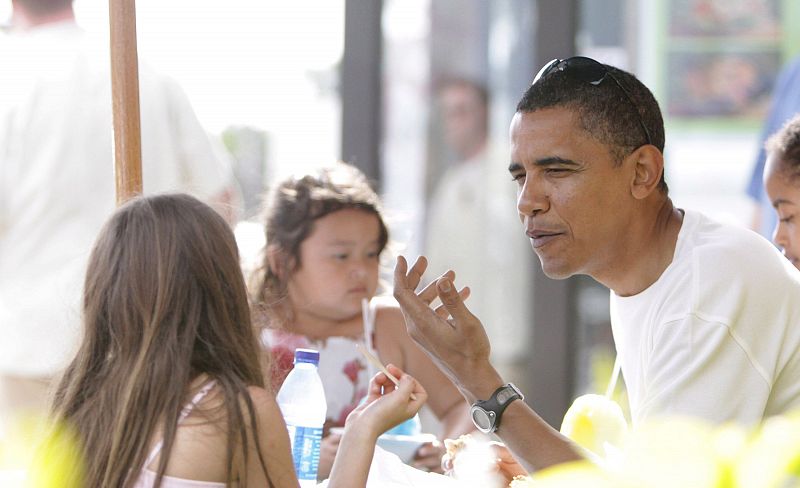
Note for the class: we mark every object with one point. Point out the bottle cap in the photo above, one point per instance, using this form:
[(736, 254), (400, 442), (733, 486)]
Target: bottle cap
[(306, 356)]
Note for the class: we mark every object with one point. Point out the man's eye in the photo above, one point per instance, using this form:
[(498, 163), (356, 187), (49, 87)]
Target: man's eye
[(788, 219), (517, 177), (556, 171)]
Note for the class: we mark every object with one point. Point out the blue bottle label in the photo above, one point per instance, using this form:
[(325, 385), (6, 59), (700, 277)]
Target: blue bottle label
[(305, 450)]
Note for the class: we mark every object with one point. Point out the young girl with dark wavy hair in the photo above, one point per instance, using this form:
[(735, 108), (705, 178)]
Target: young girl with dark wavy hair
[(325, 235)]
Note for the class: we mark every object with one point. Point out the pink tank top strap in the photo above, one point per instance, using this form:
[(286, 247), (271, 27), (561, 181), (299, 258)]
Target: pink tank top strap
[(187, 409)]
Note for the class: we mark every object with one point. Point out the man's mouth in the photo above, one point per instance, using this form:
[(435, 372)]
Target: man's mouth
[(540, 237)]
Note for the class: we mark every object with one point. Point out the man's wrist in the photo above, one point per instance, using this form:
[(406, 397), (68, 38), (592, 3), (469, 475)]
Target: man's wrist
[(486, 414), (480, 383)]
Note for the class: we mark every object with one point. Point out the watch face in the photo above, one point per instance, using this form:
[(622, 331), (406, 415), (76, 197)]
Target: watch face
[(482, 419)]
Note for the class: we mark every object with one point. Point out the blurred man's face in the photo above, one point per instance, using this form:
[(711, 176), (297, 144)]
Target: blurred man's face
[(464, 119)]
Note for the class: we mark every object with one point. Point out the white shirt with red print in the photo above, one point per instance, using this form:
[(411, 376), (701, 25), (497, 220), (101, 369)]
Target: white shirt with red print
[(344, 371)]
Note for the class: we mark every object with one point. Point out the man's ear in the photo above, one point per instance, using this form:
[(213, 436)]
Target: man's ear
[(648, 166)]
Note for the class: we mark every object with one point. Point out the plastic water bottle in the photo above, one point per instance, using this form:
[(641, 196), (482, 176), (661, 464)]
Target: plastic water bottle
[(302, 403)]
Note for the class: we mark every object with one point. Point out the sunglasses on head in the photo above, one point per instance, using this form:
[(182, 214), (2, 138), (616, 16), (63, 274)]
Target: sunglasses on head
[(588, 71)]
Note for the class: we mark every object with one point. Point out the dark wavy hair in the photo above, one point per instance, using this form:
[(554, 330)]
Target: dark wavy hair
[(289, 215), (603, 109)]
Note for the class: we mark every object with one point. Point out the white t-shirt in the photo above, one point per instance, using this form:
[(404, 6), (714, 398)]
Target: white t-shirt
[(718, 335), (57, 182)]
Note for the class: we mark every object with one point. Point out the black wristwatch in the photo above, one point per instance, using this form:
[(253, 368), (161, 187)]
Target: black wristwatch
[(486, 413)]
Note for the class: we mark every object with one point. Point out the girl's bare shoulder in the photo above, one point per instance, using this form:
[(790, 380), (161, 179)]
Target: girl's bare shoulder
[(263, 402)]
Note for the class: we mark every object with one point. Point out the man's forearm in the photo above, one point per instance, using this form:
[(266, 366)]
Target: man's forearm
[(529, 437), (532, 439)]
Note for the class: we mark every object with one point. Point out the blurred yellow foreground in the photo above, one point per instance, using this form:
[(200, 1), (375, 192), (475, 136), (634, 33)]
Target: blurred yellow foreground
[(676, 452), (36, 454)]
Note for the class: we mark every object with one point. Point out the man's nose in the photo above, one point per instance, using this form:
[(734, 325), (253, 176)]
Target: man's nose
[(532, 198)]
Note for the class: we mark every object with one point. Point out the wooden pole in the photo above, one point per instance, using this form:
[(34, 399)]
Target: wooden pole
[(125, 95)]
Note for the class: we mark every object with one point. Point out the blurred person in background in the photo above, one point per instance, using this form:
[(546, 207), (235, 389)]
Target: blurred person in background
[(785, 105), (471, 227), (57, 183)]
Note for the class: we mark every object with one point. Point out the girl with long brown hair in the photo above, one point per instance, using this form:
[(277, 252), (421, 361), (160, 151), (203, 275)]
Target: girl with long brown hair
[(167, 387)]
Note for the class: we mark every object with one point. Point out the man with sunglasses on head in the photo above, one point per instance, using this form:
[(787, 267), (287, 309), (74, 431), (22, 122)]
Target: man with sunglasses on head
[(705, 316)]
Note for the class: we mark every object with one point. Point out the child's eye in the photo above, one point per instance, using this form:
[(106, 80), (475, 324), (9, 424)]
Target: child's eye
[(373, 254), (787, 219), (340, 257)]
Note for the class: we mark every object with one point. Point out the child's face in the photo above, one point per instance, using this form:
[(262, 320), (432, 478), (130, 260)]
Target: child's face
[(785, 197), (338, 265)]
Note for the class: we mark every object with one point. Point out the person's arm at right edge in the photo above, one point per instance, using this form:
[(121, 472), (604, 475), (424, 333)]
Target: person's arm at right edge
[(460, 348)]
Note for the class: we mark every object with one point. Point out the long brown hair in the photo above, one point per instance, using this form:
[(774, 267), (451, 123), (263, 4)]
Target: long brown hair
[(289, 215), (164, 301)]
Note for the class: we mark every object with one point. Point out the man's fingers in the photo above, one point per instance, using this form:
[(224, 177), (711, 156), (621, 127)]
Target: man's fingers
[(451, 299), (406, 280), (429, 293), (414, 310), (442, 311), (403, 291), (449, 274), (400, 268), (414, 275)]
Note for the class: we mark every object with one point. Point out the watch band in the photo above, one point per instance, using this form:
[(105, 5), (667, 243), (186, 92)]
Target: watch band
[(486, 414)]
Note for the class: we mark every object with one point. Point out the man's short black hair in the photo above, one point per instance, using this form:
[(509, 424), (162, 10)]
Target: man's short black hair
[(603, 109)]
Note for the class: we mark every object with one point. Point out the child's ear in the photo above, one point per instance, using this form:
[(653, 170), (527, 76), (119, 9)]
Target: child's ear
[(278, 262)]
